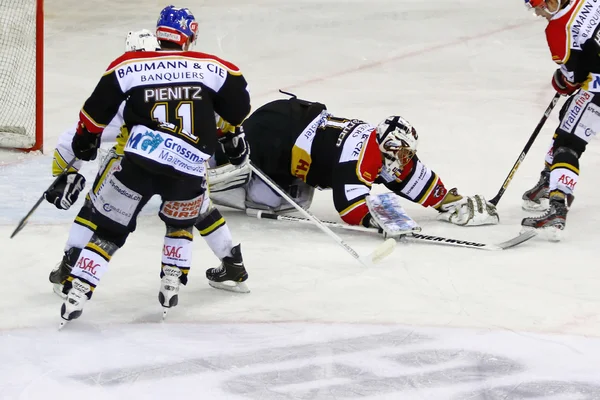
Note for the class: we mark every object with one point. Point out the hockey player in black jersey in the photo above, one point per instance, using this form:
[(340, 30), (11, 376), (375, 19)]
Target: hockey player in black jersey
[(210, 224), (170, 100), (301, 146), (573, 37)]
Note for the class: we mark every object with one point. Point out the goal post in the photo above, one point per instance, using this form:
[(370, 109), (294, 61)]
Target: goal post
[(21, 74)]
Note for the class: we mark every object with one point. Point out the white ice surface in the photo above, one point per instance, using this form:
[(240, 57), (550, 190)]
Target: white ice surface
[(428, 323)]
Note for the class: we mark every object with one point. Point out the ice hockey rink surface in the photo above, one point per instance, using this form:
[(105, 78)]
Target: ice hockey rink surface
[(429, 322)]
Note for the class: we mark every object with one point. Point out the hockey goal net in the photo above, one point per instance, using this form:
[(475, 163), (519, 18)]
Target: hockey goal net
[(21, 72)]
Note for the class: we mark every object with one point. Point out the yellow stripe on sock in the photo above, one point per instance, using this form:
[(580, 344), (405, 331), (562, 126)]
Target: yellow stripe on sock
[(99, 250), (566, 166), (216, 225), (182, 233)]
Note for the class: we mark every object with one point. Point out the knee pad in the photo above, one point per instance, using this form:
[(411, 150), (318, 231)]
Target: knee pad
[(105, 236), (567, 141), (209, 222)]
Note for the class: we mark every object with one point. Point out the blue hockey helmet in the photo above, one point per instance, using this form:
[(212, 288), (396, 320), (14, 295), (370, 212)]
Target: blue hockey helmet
[(176, 25)]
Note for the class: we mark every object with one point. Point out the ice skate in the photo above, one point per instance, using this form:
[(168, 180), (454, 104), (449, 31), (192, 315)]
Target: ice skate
[(231, 274), (536, 198), (61, 272), (168, 295), (77, 296), (553, 222)]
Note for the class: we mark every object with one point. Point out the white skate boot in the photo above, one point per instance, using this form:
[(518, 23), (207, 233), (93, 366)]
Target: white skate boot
[(78, 295), (168, 295)]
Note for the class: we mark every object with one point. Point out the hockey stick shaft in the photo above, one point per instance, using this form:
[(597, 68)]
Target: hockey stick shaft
[(411, 236), (267, 215), (317, 221), (24, 220), (532, 138)]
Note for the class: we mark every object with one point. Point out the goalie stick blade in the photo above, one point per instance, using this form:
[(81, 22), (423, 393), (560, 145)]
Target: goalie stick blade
[(517, 240), (383, 250)]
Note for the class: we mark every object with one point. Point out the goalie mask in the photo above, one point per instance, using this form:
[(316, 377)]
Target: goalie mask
[(398, 144), (143, 40)]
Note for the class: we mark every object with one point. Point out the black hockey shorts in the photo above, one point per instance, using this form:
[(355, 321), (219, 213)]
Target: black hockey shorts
[(125, 190)]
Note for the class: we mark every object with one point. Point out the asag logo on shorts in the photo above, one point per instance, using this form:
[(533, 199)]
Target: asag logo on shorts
[(149, 141)]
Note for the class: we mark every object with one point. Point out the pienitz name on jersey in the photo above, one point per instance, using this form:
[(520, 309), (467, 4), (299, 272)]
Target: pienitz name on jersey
[(173, 93)]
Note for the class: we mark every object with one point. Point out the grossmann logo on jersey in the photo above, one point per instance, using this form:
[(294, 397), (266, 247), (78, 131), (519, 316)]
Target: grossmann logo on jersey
[(167, 150)]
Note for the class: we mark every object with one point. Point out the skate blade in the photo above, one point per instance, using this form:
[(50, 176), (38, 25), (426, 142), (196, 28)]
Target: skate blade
[(236, 287), (550, 233), (529, 205), (165, 312), (62, 324)]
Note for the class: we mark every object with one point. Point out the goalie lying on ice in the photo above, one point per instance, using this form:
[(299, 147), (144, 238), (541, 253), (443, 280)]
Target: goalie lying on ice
[(301, 146)]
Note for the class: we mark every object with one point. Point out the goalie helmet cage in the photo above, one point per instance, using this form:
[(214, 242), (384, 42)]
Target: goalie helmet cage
[(21, 74)]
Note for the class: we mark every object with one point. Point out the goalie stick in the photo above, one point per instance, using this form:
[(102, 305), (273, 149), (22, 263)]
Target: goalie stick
[(383, 250), (409, 236), (24, 220)]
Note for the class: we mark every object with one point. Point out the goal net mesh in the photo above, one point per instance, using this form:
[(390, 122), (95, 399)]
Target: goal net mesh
[(17, 73)]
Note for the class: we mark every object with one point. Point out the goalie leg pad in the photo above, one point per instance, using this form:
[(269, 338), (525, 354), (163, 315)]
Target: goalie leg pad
[(389, 215)]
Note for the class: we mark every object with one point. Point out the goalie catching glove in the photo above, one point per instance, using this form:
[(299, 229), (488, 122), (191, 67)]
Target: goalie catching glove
[(467, 210), (235, 146), (66, 191)]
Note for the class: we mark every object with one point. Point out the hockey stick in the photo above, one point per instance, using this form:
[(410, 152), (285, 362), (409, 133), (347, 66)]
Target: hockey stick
[(24, 220), (410, 236), (534, 135), (383, 250)]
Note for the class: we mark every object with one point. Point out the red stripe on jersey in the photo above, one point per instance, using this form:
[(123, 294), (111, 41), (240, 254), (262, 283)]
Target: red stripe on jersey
[(558, 34), (91, 125), (135, 55), (369, 163), (436, 194), (355, 215), (406, 170)]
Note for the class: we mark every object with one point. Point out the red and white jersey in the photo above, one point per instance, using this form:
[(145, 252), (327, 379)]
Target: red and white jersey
[(574, 40)]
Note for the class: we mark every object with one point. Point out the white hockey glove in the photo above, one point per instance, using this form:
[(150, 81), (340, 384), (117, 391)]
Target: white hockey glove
[(66, 191), (469, 211), (228, 176)]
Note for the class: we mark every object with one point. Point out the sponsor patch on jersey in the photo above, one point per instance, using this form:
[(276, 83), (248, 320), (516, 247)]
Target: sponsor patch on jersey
[(184, 209), (166, 149), (354, 191), (589, 123), (417, 184), (575, 110), (301, 152)]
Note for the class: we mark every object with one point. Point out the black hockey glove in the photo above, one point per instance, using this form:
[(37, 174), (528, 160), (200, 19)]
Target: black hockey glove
[(235, 146), (66, 191), (562, 85), (85, 144)]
